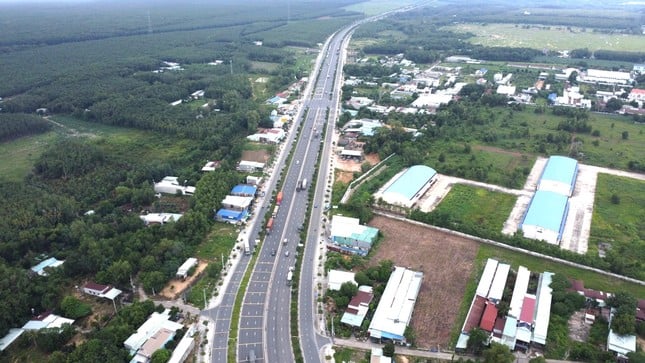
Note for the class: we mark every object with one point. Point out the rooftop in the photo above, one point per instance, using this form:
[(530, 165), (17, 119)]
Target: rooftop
[(547, 210), (346, 227), (408, 184), (561, 169)]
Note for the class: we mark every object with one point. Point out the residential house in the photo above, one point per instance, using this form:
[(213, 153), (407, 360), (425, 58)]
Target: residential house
[(42, 267), (358, 307), (104, 291), (151, 327)]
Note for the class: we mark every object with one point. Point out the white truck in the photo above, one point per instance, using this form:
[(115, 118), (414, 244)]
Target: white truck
[(247, 248), (289, 277)]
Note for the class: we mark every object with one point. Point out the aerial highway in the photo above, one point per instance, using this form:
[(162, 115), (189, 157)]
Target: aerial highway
[(264, 326)]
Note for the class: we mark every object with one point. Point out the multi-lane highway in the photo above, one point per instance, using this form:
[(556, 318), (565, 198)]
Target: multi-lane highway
[(264, 325)]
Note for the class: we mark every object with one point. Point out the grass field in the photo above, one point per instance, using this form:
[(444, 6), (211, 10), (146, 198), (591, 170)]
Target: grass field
[(219, 242), (552, 37), (472, 205), (592, 280), (623, 222), (18, 156), (374, 7)]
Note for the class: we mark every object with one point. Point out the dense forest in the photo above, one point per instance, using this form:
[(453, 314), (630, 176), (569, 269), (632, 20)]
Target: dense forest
[(82, 198)]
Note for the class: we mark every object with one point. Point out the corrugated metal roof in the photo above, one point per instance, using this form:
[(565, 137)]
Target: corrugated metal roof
[(487, 277), (543, 309), (244, 189), (408, 184), (499, 282), (521, 285), (547, 210), (561, 169)]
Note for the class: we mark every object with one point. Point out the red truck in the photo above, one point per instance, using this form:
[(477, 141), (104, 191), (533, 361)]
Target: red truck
[(278, 198), (269, 225)]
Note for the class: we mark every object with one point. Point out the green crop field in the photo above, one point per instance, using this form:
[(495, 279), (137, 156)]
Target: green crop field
[(18, 156), (473, 205), (548, 37)]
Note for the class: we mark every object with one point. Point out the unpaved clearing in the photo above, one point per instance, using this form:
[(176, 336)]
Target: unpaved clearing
[(260, 156), (447, 262), (345, 168), (176, 286)]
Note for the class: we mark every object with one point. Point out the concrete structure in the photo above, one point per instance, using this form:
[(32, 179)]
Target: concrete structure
[(506, 90), (559, 175), (41, 268), (545, 217), (155, 323), (348, 236), (499, 282), (159, 218), (521, 286), (253, 180), (487, 278), (351, 154), (407, 187), (358, 307), (47, 320), (336, 278), (543, 310), (182, 271), (249, 166), (365, 127), (170, 185), (395, 309)]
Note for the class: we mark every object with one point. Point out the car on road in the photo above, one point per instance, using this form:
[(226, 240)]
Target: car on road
[(286, 253), (285, 241), (273, 252)]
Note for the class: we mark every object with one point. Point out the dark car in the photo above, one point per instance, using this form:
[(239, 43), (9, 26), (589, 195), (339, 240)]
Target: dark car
[(273, 252)]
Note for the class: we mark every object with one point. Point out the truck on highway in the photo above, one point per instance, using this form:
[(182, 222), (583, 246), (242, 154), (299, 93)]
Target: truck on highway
[(302, 185), (289, 277), (275, 211), (247, 248), (269, 225), (278, 198)]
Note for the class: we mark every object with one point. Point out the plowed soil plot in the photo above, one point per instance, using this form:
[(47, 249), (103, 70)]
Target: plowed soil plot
[(446, 262)]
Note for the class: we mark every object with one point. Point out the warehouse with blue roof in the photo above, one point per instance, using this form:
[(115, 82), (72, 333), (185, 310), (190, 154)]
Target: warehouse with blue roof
[(231, 216), (406, 188), (244, 190), (559, 175), (545, 217)]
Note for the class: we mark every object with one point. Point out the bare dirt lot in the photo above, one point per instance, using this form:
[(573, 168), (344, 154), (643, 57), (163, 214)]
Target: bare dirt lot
[(447, 263), (260, 156), (345, 168), (176, 286)]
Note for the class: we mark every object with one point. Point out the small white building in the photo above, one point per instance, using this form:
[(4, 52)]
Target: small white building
[(159, 218), (506, 90), (47, 320), (155, 323), (335, 278), (104, 291), (249, 166), (182, 271), (237, 203), (620, 344), (210, 166), (170, 185)]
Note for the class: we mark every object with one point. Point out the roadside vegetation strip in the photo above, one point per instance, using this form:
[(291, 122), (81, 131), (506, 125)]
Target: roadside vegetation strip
[(359, 180), (237, 307)]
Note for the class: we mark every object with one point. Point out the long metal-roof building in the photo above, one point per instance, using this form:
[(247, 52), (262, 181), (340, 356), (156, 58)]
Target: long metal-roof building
[(499, 282), (543, 309), (521, 286), (406, 188), (394, 311), (487, 278), (545, 217), (559, 175)]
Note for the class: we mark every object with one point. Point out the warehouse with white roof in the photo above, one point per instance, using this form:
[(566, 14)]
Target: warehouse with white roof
[(407, 187), (395, 309)]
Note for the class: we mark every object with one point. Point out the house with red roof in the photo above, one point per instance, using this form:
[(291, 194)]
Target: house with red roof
[(490, 316)]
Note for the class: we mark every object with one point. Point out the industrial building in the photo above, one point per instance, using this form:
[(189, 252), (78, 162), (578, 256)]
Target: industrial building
[(170, 185), (521, 286), (395, 309), (559, 175), (545, 217), (407, 187), (231, 216), (244, 190), (543, 309), (349, 236)]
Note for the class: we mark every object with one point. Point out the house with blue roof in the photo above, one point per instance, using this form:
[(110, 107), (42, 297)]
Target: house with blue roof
[(244, 190), (41, 267), (545, 217), (231, 216), (407, 187), (559, 175)]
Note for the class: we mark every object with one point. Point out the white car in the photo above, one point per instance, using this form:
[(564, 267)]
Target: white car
[(286, 253)]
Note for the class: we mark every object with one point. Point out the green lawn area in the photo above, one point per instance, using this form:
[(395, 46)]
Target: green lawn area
[(466, 204), (591, 279), (553, 37), (621, 223), (18, 156), (219, 242), (374, 7)]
